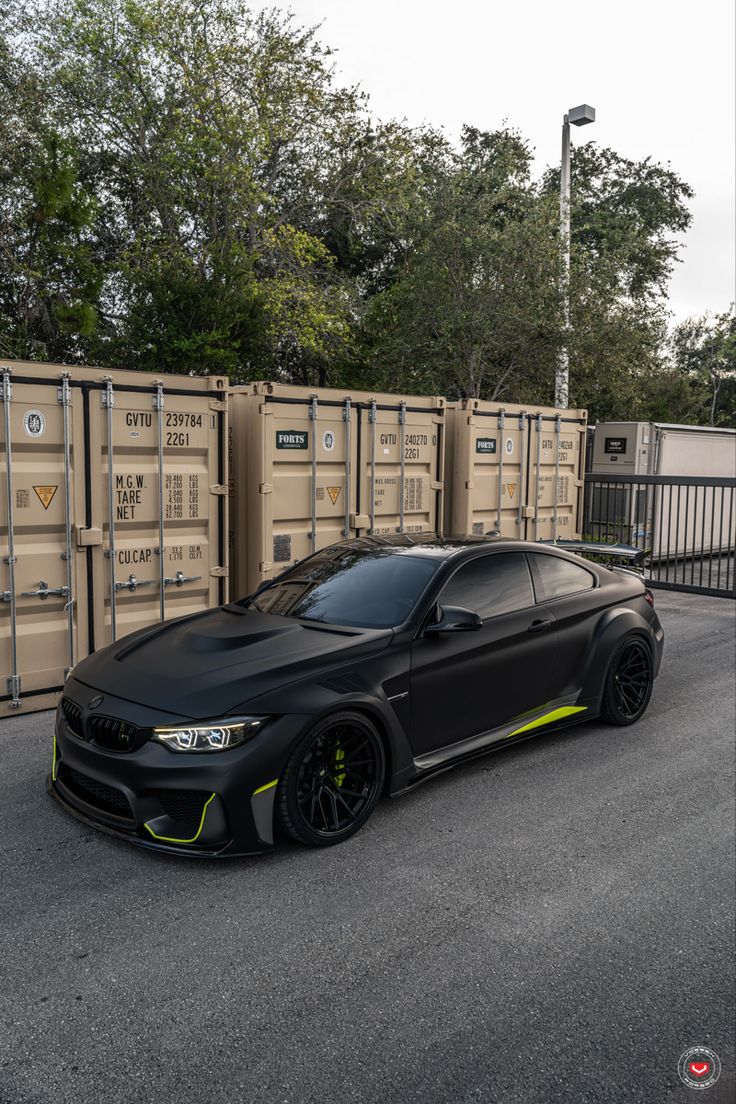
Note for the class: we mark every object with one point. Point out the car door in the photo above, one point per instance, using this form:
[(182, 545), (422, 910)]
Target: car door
[(465, 683), (569, 591)]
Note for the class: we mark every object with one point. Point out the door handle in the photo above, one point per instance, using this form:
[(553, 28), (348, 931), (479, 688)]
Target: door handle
[(540, 626), (180, 579), (43, 591), (132, 583)]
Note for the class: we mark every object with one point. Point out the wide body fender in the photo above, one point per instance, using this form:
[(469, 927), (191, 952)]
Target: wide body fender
[(612, 627), (376, 691)]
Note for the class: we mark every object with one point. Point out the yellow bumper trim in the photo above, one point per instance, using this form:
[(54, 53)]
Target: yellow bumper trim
[(172, 839), (268, 786)]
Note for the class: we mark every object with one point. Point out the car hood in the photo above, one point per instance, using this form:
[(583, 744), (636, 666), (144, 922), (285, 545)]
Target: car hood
[(204, 666)]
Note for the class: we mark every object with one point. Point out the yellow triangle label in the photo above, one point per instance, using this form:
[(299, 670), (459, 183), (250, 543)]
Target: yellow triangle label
[(46, 494), (334, 493), (511, 487)]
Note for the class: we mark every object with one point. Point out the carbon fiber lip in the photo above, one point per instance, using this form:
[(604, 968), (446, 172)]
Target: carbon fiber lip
[(138, 841)]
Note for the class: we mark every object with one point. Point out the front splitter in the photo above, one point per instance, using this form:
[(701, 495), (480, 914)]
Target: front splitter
[(226, 850)]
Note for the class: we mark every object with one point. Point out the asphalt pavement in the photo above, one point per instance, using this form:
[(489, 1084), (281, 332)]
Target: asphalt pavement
[(553, 923)]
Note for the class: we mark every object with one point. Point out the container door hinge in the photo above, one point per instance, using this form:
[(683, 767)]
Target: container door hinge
[(218, 404), (64, 391), (14, 691), (437, 485), (265, 566), (218, 489), (264, 408), (265, 488), (219, 572)]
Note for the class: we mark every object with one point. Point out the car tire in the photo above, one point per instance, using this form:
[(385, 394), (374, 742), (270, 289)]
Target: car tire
[(629, 682), (332, 780)]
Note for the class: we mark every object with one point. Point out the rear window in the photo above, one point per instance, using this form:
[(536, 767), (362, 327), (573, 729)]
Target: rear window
[(555, 577)]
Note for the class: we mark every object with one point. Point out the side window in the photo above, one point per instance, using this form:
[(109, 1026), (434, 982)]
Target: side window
[(491, 585), (555, 577)]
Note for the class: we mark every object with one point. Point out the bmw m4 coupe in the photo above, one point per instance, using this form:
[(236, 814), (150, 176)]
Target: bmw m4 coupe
[(365, 669)]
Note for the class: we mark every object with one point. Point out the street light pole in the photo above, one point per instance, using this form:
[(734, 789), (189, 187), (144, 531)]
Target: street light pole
[(578, 116)]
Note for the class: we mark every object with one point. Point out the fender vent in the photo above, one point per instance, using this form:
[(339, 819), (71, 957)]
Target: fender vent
[(349, 683)]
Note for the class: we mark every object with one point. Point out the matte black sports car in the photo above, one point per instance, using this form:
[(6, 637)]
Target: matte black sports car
[(364, 669)]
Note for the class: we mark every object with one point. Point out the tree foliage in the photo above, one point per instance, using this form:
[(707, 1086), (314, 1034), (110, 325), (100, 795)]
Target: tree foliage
[(703, 361), (185, 186)]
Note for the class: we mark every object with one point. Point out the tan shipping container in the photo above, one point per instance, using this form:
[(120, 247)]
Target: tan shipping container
[(113, 512), (515, 469), (312, 466)]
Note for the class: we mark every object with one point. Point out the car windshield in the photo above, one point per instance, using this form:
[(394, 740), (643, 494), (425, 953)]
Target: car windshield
[(349, 586)]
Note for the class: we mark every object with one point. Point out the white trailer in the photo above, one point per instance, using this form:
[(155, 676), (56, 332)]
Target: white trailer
[(673, 519)]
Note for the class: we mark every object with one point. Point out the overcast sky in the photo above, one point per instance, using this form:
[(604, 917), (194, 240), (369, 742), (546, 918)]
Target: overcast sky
[(660, 74)]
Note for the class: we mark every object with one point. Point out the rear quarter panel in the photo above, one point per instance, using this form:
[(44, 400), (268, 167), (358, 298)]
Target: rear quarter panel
[(625, 612)]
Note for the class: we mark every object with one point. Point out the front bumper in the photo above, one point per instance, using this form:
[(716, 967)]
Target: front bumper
[(207, 805)]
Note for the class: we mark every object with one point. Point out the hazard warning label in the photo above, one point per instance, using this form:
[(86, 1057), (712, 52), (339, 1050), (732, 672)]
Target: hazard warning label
[(334, 493), (45, 495), (510, 489)]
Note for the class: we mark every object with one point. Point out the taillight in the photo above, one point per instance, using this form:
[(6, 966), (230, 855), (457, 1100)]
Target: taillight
[(649, 597)]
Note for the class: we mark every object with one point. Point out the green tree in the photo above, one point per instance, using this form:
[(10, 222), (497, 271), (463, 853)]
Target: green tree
[(625, 216), (474, 308), (703, 352), (205, 129), (49, 276)]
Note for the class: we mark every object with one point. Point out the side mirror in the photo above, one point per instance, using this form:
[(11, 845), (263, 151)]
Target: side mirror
[(454, 619)]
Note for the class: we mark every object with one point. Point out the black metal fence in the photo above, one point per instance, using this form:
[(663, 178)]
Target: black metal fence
[(686, 525)]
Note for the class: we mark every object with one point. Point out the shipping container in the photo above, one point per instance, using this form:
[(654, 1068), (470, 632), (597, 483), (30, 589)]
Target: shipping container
[(113, 512), (517, 470), (313, 466), (671, 523)]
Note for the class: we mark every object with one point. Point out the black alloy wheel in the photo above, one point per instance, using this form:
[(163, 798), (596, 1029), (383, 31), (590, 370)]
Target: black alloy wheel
[(332, 780), (628, 683)]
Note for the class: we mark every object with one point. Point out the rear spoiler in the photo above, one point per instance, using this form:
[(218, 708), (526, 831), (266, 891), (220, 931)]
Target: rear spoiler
[(601, 552)]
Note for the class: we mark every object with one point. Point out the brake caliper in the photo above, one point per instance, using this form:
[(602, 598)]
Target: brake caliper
[(339, 762)]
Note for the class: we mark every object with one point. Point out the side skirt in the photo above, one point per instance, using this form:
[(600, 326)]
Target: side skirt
[(553, 715)]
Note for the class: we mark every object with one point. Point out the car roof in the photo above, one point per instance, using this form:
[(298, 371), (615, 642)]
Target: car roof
[(430, 544)]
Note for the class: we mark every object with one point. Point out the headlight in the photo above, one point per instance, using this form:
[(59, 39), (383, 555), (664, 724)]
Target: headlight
[(215, 736)]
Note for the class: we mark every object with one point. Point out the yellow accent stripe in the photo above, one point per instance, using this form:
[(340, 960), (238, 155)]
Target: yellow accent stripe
[(171, 839), (53, 763), (268, 786), (549, 718)]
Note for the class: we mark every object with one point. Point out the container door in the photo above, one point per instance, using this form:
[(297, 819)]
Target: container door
[(554, 484), (159, 505), (400, 469), (42, 460), (311, 449), (499, 444)]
